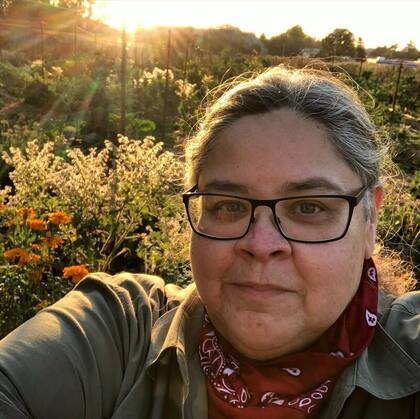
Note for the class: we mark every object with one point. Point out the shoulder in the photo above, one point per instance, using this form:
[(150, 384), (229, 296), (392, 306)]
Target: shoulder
[(389, 369), (401, 320), (92, 344), (131, 292), (408, 303), (123, 280), (393, 308)]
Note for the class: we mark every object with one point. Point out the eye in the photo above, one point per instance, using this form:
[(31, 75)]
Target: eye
[(308, 208), (231, 206), (227, 210)]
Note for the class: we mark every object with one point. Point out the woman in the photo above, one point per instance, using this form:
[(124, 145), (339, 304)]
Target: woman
[(284, 319)]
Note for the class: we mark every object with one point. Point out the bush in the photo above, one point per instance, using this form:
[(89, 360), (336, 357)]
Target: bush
[(118, 210), (22, 296), (38, 93), (18, 136), (13, 80), (398, 227), (30, 250)]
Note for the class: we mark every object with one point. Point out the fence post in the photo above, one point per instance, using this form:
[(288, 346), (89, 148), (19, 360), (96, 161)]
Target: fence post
[(136, 48), (397, 85), (143, 57), (362, 60), (165, 99), (186, 58), (41, 30), (123, 77), (75, 37)]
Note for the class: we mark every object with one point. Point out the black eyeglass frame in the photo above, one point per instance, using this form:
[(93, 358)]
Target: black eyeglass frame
[(353, 201)]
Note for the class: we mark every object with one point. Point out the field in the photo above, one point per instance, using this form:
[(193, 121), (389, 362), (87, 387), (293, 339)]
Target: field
[(92, 164)]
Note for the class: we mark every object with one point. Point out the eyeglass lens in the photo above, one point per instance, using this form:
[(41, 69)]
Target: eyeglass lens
[(303, 218)]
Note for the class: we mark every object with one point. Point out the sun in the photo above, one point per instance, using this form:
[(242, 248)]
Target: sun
[(119, 13), (269, 17), (143, 13)]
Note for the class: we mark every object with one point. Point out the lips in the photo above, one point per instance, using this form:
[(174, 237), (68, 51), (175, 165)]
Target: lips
[(258, 290)]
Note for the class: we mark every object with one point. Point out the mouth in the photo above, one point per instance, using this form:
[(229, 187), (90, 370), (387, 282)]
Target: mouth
[(257, 290)]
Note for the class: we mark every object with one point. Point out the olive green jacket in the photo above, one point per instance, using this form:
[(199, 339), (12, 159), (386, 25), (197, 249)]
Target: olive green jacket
[(125, 347)]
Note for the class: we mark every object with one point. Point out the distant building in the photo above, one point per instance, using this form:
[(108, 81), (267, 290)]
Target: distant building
[(398, 61), (309, 52)]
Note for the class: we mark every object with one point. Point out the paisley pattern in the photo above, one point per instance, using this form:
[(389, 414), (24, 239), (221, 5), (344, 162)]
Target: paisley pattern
[(293, 386)]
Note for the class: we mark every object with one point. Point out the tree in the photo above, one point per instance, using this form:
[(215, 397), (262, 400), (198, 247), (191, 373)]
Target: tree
[(379, 52), (264, 43), (360, 48), (295, 39), (387, 52), (231, 40), (410, 52), (340, 42), (4, 4), (69, 4), (80, 5), (290, 42), (277, 45)]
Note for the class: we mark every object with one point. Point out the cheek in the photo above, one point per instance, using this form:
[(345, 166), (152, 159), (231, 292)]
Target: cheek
[(209, 261), (331, 274)]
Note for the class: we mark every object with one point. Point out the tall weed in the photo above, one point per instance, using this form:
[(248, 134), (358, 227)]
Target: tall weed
[(109, 210)]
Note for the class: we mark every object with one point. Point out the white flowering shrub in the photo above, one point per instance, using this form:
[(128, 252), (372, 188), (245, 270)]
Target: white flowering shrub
[(32, 171), (123, 203)]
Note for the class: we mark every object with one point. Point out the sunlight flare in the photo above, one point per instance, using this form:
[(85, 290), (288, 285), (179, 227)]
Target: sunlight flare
[(270, 17)]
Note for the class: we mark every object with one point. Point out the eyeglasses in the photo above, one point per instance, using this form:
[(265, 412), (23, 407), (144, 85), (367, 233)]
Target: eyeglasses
[(303, 219)]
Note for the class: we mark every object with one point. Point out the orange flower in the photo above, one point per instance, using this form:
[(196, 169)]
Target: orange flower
[(53, 241), (21, 256), (59, 217), (3, 206), (26, 212), (37, 224), (75, 272), (33, 258), (36, 247)]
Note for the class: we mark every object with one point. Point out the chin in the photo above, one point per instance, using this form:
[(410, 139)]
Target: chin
[(258, 344), (262, 352)]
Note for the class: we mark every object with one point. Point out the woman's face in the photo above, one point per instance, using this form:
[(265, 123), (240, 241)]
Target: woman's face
[(266, 295)]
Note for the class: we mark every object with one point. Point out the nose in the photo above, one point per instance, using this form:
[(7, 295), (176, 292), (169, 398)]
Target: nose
[(264, 240)]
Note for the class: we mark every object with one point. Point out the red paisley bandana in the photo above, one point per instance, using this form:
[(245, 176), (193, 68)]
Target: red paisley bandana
[(296, 385)]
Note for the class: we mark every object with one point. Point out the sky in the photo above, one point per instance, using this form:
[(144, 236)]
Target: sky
[(378, 22)]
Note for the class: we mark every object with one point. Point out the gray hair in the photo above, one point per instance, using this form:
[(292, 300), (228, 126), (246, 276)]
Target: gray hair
[(314, 94)]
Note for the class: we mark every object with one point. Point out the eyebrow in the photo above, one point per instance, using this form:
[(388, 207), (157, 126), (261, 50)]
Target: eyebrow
[(313, 183), (309, 184), (225, 186)]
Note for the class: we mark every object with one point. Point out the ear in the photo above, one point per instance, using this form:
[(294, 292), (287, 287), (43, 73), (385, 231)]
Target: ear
[(377, 198)]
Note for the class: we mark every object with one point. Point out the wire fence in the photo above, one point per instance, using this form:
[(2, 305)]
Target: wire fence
[(67, 34)]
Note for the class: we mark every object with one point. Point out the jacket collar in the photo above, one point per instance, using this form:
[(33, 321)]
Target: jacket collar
[(402, 376), (180, 328)]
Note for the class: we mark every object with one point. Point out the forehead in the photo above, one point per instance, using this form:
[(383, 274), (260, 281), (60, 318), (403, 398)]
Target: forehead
[(266, 153)]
